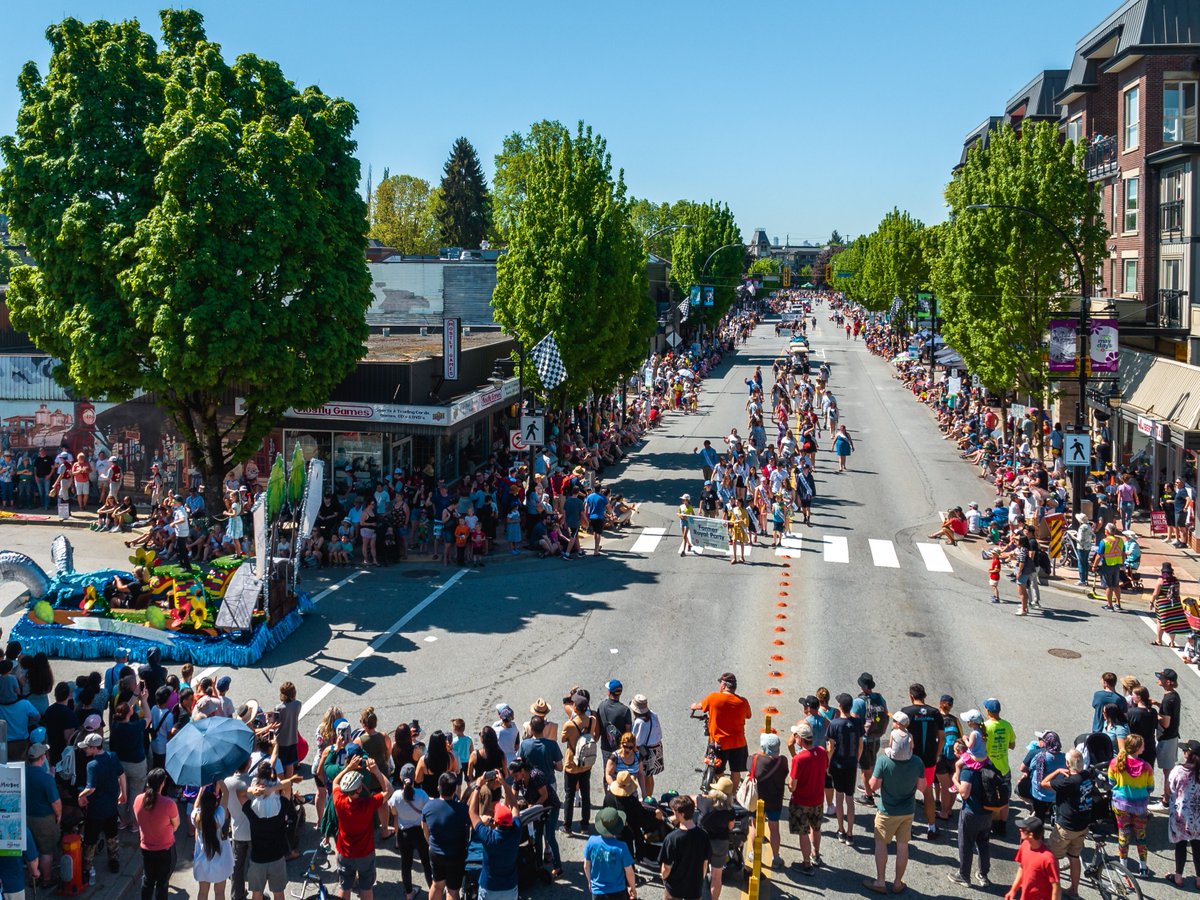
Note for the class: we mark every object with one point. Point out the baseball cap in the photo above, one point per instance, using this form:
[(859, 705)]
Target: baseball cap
[(504, 711), (93, 740), (37, 751), (803, 731), (946, 698), (341, 725), (811, 701), (972, 715), (613, 686), (502, 815), (223, 683), (992, 705), (93, 723), (900, 718), (1167, 675), (1030, 823), (843, 698)]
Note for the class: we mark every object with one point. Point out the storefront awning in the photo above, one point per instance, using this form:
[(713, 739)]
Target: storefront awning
[(1162, 389)]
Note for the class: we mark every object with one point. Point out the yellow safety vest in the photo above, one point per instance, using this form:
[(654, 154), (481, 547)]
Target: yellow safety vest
[(1112, 552)]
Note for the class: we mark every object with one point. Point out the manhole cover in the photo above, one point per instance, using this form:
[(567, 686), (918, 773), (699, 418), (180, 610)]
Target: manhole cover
[(1063, 654), (915, 634), (419, 573)]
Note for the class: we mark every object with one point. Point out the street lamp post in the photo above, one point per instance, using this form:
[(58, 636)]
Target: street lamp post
[(1084, 349), (704, 268)]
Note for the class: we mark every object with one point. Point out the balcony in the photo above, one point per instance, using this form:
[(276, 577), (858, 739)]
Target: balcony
[(1169, 311), (1170, 221), (1101, 159)]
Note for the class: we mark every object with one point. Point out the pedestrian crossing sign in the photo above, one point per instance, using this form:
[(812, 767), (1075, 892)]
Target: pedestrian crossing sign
[(1077, 450)]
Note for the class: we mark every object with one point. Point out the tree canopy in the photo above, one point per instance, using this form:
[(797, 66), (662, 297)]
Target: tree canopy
[(575, 266), (8, 261), (768, 265), (1001, 273), (196, 225), (712, 229), (403, 214), (464, 208), (892, 262)]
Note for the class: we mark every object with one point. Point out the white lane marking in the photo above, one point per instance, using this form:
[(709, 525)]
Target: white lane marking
[(837, 549), (317, 599), (648, 540), (430, 638), (883, 553), (935, 558), (311, 703), (790, 547)]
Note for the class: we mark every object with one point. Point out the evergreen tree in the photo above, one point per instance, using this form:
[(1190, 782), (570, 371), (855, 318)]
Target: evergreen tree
[(464, 214)]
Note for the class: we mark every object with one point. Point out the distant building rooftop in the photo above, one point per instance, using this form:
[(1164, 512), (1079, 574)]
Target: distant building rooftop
[(411, 347)]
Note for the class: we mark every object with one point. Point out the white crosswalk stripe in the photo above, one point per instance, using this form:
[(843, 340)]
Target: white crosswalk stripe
[(791, 547), (935, 558), (883, 554), (648, 540), (837, 549)]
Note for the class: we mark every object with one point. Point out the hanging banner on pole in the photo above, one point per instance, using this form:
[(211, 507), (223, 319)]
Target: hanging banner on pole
[(1103, 356), (694, 295), (451, 345), (1064, 350)]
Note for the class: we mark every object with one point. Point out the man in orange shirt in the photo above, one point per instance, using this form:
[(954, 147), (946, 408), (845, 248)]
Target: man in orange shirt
[(727, 715)]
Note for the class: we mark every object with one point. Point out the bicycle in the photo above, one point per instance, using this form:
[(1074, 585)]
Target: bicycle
[(1108, 876), (714, 757)]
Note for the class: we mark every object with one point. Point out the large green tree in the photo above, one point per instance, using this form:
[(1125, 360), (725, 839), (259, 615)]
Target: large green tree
[(1001, 274), (712, 237), (464, 208), (403, 214), (8, 261), (575, 266), (894, 264), (196, 225), (512, 172)]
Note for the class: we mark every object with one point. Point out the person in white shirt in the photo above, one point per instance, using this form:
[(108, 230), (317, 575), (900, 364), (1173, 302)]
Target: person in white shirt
[(974, 519), (507, 732), (103, 469)]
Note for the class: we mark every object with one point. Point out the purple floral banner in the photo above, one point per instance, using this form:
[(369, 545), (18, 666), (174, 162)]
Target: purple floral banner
[(1063, 345), (1103, 355)]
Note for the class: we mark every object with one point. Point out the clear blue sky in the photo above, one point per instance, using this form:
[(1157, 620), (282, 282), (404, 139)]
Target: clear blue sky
[(803, 116)]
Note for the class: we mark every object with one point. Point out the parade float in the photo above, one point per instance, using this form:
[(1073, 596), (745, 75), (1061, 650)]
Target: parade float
[(228, 615)]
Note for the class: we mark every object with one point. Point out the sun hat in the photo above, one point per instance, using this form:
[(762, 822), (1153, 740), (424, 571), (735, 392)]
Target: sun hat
[(623, 785), (769, 744), (610, 821), (540, 707), (640, 705)]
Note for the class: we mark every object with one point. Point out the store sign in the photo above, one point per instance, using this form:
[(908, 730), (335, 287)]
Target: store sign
[(451, 339), (1145, 426)]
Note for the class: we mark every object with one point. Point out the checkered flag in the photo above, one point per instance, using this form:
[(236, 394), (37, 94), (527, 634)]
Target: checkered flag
[(683, 310), (549, 362), (896, 304)]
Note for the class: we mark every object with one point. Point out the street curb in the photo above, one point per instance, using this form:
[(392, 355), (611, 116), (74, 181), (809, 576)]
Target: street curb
[(49, 523)]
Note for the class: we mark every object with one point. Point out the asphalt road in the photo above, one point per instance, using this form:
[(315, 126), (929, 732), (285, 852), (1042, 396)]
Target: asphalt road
[(424, 642)]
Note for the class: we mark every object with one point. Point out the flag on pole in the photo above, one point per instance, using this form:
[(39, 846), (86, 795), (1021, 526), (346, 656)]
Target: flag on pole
[(548, 362), (683, 309)]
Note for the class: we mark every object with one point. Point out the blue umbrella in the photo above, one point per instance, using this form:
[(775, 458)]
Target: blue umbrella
[(208, 749)]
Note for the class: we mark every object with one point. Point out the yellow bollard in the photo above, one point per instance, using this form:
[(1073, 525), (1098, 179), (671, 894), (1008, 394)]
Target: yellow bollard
[(752, 889), (767, 725), (760, 826)]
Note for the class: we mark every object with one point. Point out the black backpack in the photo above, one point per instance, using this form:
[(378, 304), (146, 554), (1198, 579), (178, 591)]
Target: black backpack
[(997, 788)]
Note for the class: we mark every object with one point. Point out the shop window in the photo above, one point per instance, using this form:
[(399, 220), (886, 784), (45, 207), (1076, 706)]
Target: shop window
[(318, 444), (357, 460)]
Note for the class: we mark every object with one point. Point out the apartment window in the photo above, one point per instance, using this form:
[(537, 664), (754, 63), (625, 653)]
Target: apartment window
[(1115, 192), (1129, 281), (1172, 277), (1075, 129), (1179, 111), (1131, 205), (1131, 117)]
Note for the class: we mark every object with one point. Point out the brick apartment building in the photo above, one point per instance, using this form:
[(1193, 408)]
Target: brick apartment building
[(1131, 96)]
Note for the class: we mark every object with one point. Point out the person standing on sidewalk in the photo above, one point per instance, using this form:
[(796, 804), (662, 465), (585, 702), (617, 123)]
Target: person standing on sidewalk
[(806, 781), (1169, 709), (157, 817), (1110, 556), (685, 854), (581, 737), (236, 786), (1037, 872), (615, 720), (1083, 547), (896, 777), (43, 808), (127, 740), (1001, 740), (103, 796), (356, 813), (447, 828), (974, 819)]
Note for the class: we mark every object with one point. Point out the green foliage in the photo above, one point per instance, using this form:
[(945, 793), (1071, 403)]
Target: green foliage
[(512, 172), (8, 261), (1002, 274), (836, 238), (853, 259), (894, 264), (713, 229), (197, 228), (403, 215), (766, 266), (575, 265), (464, 211)]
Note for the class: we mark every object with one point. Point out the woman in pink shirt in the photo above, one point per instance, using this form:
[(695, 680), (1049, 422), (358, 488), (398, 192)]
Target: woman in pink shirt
[(157, 818), (81, 473)]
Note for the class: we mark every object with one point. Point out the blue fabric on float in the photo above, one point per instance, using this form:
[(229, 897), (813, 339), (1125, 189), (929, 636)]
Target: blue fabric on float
[(199, 649)]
